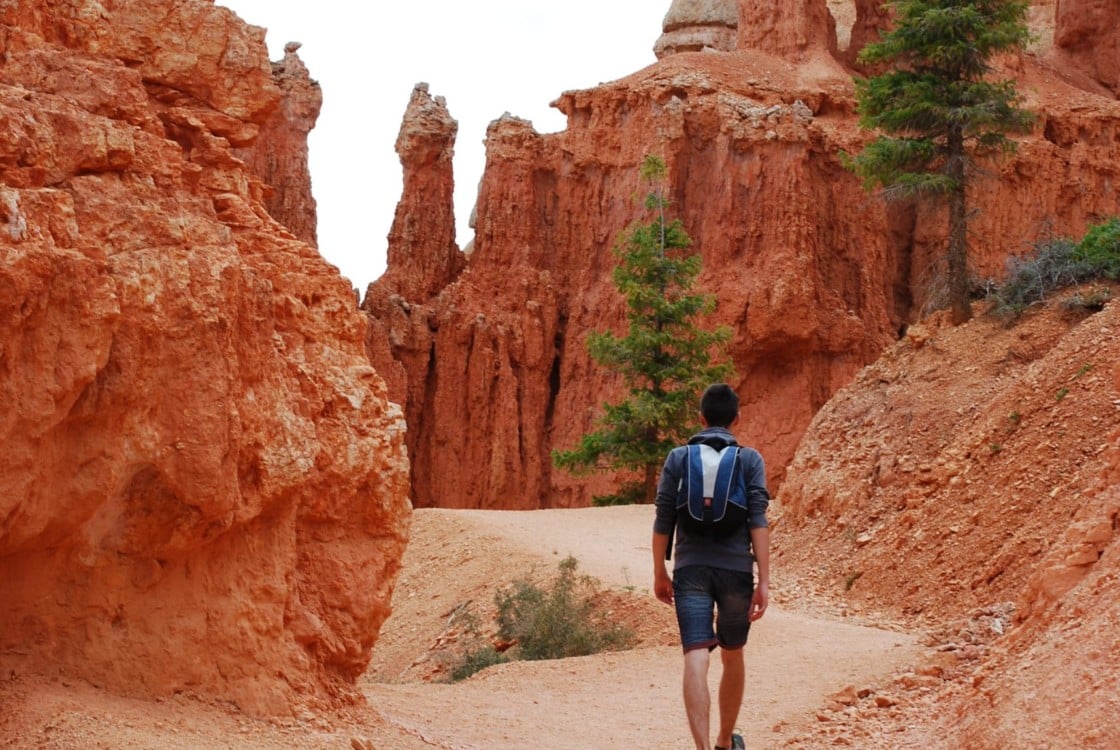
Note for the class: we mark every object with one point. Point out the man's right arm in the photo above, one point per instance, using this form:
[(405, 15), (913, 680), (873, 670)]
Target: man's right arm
[(662, 582)]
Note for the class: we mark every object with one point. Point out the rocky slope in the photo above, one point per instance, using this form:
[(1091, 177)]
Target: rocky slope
[(970, 480), (203, 486), (487, 350)]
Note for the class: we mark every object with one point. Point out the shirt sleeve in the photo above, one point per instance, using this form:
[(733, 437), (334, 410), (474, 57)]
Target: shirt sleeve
[(666, 500), (758, 497)]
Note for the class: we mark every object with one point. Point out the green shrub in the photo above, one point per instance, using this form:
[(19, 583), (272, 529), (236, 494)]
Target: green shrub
[(1100, 249), (541, 623), (476, 661), (1058, 263), (558, 622), (630, 493)]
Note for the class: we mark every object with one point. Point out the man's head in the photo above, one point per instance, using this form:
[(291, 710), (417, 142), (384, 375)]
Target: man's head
[(719, 405)]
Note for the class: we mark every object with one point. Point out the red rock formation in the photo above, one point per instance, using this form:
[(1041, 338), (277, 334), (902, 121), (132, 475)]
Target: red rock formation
[(472, 353), (870, 17), (423, 255), (202, 484), (785, 29), (279, 156), (814, 275), (1086, 31)]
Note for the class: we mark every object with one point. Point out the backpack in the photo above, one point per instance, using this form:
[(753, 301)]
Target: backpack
[(712, 495)]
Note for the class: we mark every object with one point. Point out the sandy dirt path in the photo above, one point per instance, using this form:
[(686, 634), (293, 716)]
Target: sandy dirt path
[(622, 699)]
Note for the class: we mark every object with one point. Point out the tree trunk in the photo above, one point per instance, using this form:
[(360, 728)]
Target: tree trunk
[(650, 483), (958, 231)]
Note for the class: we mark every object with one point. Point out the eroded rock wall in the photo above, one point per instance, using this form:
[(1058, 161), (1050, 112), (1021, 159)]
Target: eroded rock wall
[(814, 275), (1085, 30), (278, 156), (785, 29), (203, 486)]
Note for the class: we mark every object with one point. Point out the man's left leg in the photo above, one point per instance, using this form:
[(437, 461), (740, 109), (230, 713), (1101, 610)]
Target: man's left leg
[(733, 604), (730, 693)]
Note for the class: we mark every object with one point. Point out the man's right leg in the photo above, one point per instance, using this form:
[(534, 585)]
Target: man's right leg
[(695, 606), (697, 701)]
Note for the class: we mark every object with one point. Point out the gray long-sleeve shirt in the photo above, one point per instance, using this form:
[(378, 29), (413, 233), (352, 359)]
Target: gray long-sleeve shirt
[(734, 552)]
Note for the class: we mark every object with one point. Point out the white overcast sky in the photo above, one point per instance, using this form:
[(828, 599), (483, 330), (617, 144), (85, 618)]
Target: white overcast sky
[(485, 57)]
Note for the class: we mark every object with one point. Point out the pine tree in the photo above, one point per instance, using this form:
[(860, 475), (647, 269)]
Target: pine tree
[(938, 110), (665, 357)]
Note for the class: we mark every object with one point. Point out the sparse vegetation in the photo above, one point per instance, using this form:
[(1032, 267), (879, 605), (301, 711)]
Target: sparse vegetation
[(1062, 393), (478, 652), (1092, 300), (559, 622), (1059, 263), (547, 623), (851, 580)]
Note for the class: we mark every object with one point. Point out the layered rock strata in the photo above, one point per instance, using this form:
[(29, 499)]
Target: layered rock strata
[(698, 25), (203, 487)]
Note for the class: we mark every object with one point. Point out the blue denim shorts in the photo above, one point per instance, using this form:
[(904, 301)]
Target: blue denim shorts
[(705, 596)]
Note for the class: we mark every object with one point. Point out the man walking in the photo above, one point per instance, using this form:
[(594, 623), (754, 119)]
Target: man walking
[(717, 544)]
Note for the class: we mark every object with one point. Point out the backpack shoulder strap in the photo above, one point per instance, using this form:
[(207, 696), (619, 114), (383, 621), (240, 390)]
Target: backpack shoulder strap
[(718, 442), (692, 483), (728, 475)]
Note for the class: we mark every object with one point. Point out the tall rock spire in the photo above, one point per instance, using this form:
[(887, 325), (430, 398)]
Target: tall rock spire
[(695, 25), (423, 257)]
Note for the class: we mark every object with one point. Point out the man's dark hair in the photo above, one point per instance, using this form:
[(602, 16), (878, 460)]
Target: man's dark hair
[(719, 405)]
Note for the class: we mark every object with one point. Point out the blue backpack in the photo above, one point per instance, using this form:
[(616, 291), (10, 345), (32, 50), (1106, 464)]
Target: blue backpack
[(712, 495)]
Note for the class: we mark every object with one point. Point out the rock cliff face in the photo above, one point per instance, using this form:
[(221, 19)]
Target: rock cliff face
[(972, 473), (788, 30), (1086, 32), (278, 157), (814, 275), (203, 487)]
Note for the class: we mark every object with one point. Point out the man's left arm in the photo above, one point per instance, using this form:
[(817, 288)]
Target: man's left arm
[(760, 543), (758, 501)]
